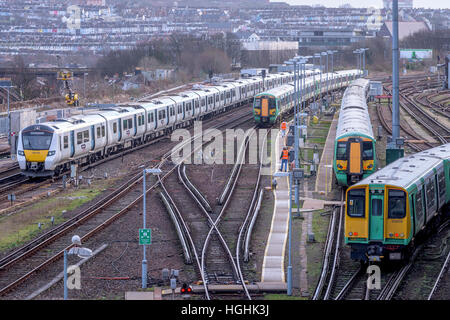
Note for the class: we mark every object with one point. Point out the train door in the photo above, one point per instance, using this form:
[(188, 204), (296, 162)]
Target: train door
[(264, 107), (119, 124), (355, 166), (92, 138), (376, 219), (72, 143), (135, 125)]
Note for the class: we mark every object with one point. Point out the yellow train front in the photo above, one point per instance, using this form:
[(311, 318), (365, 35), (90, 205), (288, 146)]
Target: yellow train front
[(387, 212), (37, 148)]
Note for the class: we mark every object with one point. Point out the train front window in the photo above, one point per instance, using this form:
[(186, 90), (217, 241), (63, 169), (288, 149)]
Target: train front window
[(396, 204), (356, 203), (257, 103), (367, 150), (36, 140), (341, 152), (272, 103)]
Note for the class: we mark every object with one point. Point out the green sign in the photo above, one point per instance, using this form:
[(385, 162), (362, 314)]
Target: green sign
[(145, 236)]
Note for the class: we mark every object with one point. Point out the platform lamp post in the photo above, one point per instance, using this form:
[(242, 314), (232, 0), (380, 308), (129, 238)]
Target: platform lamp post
[(325, 54), (394, 148), (358, 58), (363, 51), (332, 52), (6, 83), (319, 56), (84, 86), (156, 171)]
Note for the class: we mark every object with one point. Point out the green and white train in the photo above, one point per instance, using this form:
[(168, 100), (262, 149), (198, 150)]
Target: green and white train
[(269, 106), (354, 146), (387, 211)]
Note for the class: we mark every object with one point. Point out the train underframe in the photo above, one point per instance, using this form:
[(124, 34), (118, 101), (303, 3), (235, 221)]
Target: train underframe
[(377, 251)]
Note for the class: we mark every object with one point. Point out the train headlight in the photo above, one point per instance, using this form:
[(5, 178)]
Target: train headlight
[(370, 166), (51, 153), (20, 153), (350, 234), (339, 166)]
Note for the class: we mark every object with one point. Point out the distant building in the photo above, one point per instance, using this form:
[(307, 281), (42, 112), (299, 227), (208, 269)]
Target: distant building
[(405, 29), (327, 37), (402, 4)]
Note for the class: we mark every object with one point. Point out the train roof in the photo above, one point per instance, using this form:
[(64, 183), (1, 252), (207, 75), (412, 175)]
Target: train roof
[(354, 116), (278, 90), (406, 171)]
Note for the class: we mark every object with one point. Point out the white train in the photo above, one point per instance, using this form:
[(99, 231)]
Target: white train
[(49, 148)]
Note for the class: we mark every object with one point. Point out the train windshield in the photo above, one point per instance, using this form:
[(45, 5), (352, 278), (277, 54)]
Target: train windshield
[(36, 140), (257, 103), (356, 200), (341, 152), (396, 204), (367, 150)]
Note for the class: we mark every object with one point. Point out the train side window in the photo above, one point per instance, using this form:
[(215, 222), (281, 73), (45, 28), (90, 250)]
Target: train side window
[(79, 138), (98, 132), (125, 124), (356, 203), (441, 184), (203, 102), (86, 136), (418, 204), (66, 142), (367, 150), (103, 131), (130, 123), (221, 96), (430, 193), (341, 151), (396, 204), (114, 127), (217, 97)]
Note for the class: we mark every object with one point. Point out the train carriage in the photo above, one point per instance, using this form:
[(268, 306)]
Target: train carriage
[(267, 106), (387, 211), (354, 149)]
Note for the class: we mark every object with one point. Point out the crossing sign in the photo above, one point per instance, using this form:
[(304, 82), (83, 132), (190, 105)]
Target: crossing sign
[(145, 236)]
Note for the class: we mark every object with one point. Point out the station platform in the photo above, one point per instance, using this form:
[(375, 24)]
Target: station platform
[(273, 269), (324, 177), (273, 263)]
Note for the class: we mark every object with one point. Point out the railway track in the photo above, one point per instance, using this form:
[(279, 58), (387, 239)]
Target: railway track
[(212, 249), (409, 106), (443, 271), (24, 262), (331, 254)]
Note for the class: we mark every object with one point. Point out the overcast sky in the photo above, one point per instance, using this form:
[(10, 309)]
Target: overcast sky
[(368, 3)]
